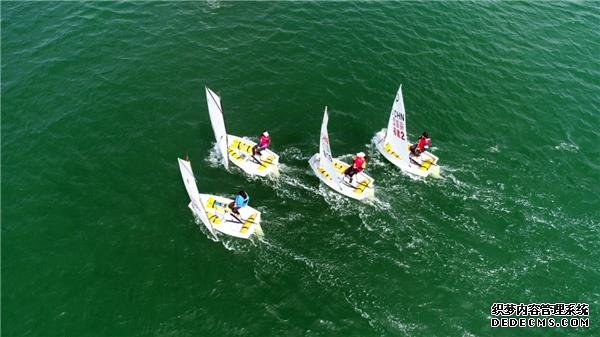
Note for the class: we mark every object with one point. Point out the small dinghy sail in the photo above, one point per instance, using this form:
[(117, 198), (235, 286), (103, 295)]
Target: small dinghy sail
[(218, 124), (236, 149), (394, 145), (331, 171), (213, 212)]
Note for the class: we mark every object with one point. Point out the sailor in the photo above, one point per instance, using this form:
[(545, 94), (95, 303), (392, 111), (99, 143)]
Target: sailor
[(241, 200), (265, 141), (422, 144), (360, 162)]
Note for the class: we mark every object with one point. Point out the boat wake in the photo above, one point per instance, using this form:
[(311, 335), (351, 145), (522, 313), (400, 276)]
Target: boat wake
[(294, 153), (290, 183), (214, 158)]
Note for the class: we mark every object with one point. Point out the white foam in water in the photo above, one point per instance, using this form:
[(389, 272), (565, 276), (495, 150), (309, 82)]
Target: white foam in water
[(327, 275), (377, 203), (294, 153), (366, 221), (494, 149), (237, 245), (382, 227), (357, 306), (204, 229), (406, 328), (214, 4), (567, 147), (339, 203), (290, 177), (346, 158), (374, 157), (231, 243), (337, 200), (214, 157)]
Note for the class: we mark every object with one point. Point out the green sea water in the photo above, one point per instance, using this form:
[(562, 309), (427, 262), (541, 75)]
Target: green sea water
[(100, 98)]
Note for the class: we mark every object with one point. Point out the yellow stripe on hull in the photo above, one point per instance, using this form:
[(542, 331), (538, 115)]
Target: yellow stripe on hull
[(388, 149), (234, 154), (237, 145), (248, 223), (213, 218), (266, 163), (341, 168), (360, 188), (426, 164), (324, 172), (212, 203), (215, 207)]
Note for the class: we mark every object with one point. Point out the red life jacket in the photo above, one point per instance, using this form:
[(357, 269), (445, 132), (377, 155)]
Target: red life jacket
[(359, 163), (265, 141), (422, 143)]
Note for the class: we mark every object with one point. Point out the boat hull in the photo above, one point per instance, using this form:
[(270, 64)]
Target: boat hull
[(220, 219), (426, 163), (363, 186), (240, 153)]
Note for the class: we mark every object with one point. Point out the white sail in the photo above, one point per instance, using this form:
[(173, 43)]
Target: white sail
[(192, 189), (396, 130), (218, 123), (325, 158)]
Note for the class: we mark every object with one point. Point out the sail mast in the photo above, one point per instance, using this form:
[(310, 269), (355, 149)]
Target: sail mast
[(218, 123)]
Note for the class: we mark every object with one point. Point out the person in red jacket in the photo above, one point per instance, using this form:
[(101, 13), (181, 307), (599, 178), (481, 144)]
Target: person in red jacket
[(264, 142), (422, 144), (359, 164)]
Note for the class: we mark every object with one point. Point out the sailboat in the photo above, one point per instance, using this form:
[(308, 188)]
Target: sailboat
[(331, 170), (236, 149), (212, 210), (394, 145)]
